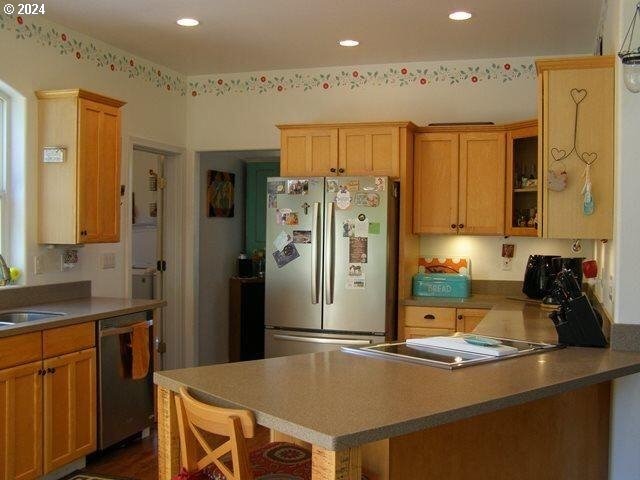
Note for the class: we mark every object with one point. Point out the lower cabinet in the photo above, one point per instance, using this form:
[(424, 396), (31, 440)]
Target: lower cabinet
[(69, 408), (431, 321), (47, 407), (21, 422)]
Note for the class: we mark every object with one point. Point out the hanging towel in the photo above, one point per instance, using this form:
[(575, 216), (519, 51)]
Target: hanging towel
[(140, 351)]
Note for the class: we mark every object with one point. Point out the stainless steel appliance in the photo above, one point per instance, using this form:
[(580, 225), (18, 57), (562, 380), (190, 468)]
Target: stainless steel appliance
[(330, 263), (445, 357), (125, 405)]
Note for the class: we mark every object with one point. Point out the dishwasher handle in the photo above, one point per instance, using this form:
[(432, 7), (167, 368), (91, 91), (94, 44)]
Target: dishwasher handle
[(108, 332), (330, 341)]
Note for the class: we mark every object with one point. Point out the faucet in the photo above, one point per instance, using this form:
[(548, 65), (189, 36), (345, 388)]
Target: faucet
[(5, 274)]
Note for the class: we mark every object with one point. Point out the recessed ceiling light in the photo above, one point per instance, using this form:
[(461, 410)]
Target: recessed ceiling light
[(460, 16), (349, 43), (188, 22)]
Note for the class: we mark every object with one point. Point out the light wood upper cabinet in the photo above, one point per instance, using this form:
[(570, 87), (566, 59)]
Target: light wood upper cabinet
[(482, 181), (21, 422), (459, 183), (564, 83), (343, 149), (309, 152), (436, 183), (79, 198), (524, 198), (369, 151), (69, 408)]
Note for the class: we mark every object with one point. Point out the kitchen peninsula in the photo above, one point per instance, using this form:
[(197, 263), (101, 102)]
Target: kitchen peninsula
[(539, 416)]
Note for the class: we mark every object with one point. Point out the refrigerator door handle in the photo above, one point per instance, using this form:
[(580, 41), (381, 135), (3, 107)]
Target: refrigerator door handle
[(315, 284), (332, 341), (330, 254)]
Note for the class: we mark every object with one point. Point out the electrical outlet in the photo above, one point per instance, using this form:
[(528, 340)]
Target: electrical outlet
[(107, 261), (37, 265)]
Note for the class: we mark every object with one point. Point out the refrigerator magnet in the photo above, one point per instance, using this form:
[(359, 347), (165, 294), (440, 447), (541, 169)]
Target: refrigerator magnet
[(302, 236), (276, 186), (272, 200), (374, 228), (332, 186), (380, 184), (358, 249), (348, 228), (353, 185), (343, 198), (356, 270), (282, 240), (288, 254), (355, 283), (297, 187), (280, 213), (361, 228)]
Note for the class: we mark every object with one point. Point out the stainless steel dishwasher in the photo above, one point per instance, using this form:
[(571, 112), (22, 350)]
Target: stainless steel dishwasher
[(125, 405)]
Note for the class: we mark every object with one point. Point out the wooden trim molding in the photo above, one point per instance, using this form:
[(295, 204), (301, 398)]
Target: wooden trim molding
[(476, 128), (79, 93), (573, 63), (406, 124)]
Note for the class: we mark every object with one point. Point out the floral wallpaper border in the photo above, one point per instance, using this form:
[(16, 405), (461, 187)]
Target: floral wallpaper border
[(352, 78), (85, 49), (419, 75)]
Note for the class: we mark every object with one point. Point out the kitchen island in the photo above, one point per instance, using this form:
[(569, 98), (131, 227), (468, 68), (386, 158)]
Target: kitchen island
[(539, 416)]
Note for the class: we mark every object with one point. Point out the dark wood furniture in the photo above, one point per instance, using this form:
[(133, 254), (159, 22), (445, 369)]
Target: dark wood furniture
[(246, 319)]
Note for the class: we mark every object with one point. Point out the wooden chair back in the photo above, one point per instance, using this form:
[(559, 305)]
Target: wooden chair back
[(194, 417)]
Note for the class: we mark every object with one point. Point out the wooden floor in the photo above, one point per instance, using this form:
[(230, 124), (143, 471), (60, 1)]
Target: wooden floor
[(138, 459)]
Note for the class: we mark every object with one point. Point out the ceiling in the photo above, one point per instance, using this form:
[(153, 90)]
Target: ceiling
[(251, 35)]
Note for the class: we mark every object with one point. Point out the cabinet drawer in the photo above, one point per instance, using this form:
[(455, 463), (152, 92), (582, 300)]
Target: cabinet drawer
[(20, 349), (420, 332), (430, 317), (58, 341)]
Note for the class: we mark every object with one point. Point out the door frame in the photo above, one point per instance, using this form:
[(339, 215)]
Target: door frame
[(178, 292)]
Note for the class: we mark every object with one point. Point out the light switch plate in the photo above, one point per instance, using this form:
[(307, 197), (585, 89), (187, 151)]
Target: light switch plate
[(107, 261)]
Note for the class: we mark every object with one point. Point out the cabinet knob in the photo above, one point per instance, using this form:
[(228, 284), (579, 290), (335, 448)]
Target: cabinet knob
[(461, 225), (453, 226), (429, 316), (41, 372), (341, 170), (459, 317), (332, 170), (51, 370)]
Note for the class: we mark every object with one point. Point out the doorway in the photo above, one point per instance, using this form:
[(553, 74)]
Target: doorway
[(154, 226)]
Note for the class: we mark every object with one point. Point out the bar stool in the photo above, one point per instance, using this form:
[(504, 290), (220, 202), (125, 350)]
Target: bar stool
[(232, 460)]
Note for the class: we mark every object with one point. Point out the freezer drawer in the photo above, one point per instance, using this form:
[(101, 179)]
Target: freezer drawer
[(280, 343)]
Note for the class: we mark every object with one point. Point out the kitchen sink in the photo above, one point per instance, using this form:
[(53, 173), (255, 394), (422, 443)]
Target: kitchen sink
[(23, 316)]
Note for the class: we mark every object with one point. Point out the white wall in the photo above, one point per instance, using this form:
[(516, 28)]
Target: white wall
[(485, 252), (625, 435), (29, 64), (244, 118)]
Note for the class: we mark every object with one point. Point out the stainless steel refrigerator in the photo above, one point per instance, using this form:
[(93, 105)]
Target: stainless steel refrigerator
[(331, 263)]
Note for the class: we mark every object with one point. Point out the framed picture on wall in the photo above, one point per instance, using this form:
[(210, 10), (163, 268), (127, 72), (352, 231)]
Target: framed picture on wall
[(220, 193)]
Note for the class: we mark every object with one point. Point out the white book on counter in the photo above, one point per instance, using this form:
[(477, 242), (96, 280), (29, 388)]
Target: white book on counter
[(459, 344)]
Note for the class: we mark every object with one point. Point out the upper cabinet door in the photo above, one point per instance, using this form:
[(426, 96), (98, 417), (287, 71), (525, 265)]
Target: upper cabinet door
[(309, 152), (482, 183), (435, 183), (371, 150), (89, 182), (589, 83), (109, 172)]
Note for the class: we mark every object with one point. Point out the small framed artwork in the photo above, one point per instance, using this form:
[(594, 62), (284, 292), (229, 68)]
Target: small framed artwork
[(220, 193)]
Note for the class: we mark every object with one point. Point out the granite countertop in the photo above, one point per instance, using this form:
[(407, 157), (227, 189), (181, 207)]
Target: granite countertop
[(337, 400), (78, 311)]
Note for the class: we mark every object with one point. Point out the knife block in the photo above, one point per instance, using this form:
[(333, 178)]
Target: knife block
[(578, 324)]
